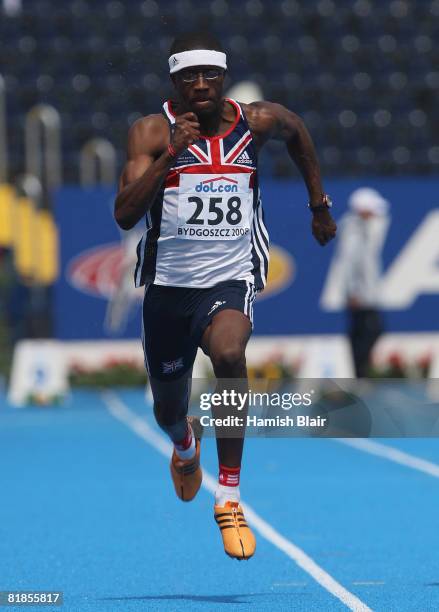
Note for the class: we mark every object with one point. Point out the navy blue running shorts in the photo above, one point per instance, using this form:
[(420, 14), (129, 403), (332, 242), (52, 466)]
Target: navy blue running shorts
[(174, 319)]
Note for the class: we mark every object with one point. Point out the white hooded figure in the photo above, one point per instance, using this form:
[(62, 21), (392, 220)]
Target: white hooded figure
[(359, 268), (360, 243)]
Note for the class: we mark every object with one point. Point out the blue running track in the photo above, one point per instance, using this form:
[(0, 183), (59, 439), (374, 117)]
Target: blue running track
[(87, 507)]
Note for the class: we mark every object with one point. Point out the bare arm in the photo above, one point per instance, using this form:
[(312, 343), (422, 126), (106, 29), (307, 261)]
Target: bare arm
[(148, 162), (269, 120)]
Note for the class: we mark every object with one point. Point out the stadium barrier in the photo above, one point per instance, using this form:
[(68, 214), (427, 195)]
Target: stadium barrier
[(43, 146), (41, 367), (97, 163)]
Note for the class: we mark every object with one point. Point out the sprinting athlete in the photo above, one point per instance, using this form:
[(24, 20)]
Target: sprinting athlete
[(192, 172)]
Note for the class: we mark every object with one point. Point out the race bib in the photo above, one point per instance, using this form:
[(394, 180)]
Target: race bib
[(214, 207)]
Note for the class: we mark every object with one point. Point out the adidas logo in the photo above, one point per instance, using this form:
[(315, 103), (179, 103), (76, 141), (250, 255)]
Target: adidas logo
[(215, 306), (244, 158)]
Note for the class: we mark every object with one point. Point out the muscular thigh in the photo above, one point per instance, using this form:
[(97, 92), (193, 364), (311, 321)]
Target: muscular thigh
[(228, 318), (228, 329)]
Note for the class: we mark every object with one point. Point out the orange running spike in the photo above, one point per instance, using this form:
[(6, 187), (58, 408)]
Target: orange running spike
[(238, 539)]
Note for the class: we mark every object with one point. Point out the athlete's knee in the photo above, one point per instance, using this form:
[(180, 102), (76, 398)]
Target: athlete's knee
[(228, 360), (168, 414), (171, 400), (171, 419)]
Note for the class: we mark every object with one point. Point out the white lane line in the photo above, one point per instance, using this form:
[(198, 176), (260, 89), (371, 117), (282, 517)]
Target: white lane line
[(392, 454), (120, 411)]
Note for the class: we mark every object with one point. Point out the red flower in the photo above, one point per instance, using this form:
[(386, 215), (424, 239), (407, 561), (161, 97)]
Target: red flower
[(396, 361)]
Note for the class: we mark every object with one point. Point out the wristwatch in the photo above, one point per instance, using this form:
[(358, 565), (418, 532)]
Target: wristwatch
[(326, 203)]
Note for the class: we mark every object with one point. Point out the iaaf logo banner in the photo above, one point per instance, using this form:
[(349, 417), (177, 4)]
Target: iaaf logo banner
[(107, 272), (212, 186), (97, 271), (108, 269), (304, 293)]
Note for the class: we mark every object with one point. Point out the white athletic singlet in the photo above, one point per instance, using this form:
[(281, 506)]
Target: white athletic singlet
[(207, 224)]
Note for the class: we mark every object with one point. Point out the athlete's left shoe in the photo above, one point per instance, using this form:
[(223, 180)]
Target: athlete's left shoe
[(186, 473), (238, 539)]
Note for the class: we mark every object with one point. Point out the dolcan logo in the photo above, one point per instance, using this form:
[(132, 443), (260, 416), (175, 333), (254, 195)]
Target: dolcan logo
[(212, 185)]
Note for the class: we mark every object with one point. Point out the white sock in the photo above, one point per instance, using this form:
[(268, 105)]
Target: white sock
[(224, 494), (189, 452)]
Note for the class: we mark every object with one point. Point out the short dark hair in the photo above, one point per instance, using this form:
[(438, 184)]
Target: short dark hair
[(195, 40)]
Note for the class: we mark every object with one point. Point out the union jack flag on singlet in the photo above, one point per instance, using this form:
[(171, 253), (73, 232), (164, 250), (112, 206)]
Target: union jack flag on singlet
[(206, 225)]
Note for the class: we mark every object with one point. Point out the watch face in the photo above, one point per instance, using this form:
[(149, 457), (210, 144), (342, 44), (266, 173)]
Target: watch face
[(327, 200)]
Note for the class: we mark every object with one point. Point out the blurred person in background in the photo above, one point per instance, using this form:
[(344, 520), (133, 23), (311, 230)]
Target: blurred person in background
[(359, 252)]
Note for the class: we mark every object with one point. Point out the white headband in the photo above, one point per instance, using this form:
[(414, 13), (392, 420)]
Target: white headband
[(197, 57)]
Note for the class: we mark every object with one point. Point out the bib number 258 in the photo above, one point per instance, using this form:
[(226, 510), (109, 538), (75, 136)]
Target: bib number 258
[(232, 216)]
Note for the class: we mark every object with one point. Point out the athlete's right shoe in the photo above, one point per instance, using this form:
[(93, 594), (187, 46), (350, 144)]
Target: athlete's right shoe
[(186, 473), (238, 539)]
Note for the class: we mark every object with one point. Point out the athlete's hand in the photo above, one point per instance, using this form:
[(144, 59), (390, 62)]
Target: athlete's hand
[(323, 227), (186, 131)]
